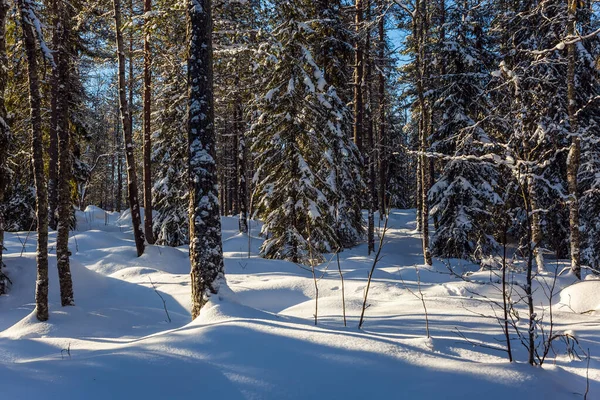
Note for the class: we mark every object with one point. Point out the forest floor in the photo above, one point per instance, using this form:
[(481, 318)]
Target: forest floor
[(258, 339)]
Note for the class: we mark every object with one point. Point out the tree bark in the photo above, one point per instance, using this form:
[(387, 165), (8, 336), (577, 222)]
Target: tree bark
[(53, 134), (41, 289), (119, 150), (420, 27), (382, 142), (574, 156), (536, 226), (358, 78), (132, 189), (206, 251), (147, 131), (242, 154), (5, 135), (65, 164)]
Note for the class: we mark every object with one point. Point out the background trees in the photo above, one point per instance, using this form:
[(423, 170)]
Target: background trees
[(481, 114)]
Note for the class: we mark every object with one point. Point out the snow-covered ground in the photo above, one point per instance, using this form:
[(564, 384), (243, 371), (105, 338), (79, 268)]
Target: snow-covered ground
[(258, 340)]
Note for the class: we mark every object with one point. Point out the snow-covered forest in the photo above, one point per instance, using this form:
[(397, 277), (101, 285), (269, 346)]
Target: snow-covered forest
[(336, 199)]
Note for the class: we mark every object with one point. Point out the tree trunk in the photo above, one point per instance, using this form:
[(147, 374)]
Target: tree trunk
[(119, 150), (382, 142), (206, 251), (53, 135), (358, 78), (242, 170), (147, 131), (368, 98), (5, 135), (573, 158), (420, 26), (132, 189), (65, 164), (536, 226), (41, 289), (236, 159)]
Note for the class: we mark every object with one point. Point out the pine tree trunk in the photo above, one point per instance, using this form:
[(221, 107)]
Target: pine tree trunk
[(368, 121), (574, 156), (5, 136), (206, 251), (41, 289), (147, 131), (382, 142), (132, 189), (358, 78), (119, 150), (65, 164), (53, 134)]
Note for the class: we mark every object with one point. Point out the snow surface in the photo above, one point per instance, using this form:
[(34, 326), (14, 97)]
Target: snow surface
[(257, 340)]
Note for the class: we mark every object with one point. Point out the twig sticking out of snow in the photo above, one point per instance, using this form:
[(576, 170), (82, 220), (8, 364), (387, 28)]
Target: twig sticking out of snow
[(337, 254), (375, 260), (162, 298)]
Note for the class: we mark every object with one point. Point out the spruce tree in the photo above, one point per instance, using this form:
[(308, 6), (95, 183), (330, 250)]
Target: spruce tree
[(307, 170), (465, 195)]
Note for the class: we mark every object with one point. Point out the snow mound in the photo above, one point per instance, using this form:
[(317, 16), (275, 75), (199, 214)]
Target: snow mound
[(582, 297)]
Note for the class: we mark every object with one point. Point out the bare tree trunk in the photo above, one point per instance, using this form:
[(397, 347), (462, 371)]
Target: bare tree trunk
[(536, 227), (418, 196), (358, 78), (206, 251), (529, 281), (242, 154), (147, 131), (368, 117), (119, 150), (420, 27), (573, 158), (382, 142), (132, 189), (65, 164), (5, 135), (235, 187), (53, 135), (41, 289)]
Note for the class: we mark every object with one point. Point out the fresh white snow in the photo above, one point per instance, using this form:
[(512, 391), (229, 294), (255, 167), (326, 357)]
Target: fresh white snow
[(257, 339)]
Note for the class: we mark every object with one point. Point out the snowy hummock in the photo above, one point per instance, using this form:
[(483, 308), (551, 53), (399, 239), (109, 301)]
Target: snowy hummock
[(257, 340)]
